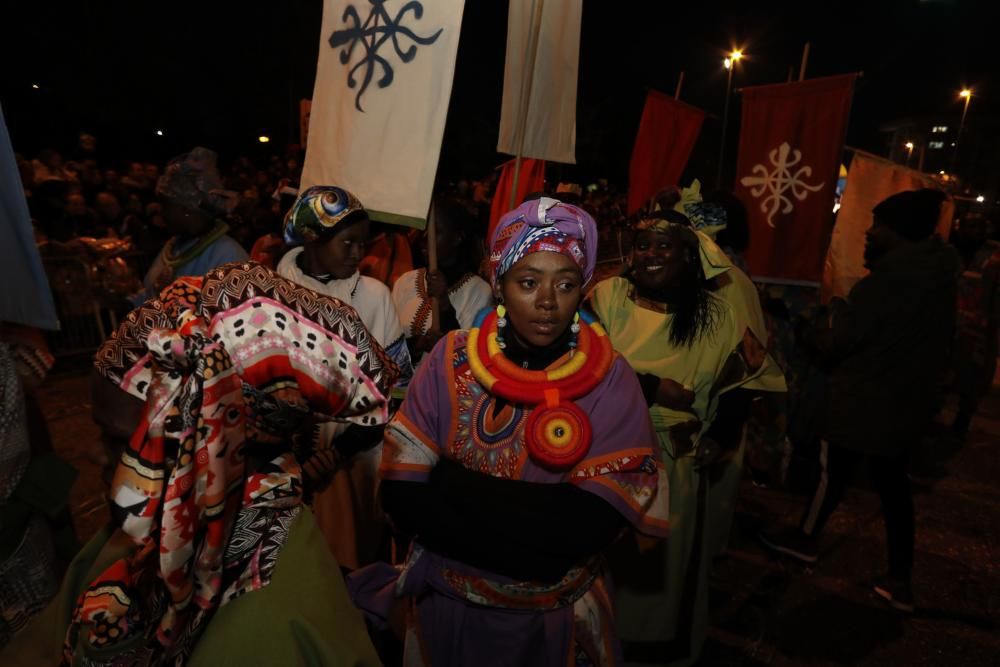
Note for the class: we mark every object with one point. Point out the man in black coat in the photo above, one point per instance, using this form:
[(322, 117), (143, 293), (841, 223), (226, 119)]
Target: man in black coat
[(887, 350)]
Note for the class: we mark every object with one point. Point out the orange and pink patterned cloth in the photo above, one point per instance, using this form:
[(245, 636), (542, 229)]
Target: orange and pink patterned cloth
[(235, 369)]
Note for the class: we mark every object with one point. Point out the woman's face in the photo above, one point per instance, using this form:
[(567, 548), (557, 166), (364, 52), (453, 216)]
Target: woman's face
[(541, 293), (341, 254), (658, 259), (183, 220)]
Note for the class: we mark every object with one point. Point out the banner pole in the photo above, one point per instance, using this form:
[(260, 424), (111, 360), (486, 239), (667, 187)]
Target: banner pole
[(526, 81), (805, 61), (680, 84), (432, 264)]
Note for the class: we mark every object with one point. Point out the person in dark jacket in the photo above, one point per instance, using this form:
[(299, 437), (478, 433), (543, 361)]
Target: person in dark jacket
[(887, 350)]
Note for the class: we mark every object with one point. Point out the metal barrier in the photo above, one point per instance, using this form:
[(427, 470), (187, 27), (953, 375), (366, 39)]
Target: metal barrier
[(89, 279), (84, 321)]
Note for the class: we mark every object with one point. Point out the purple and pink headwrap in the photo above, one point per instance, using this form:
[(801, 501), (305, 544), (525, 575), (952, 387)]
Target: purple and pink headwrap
[(539, 225)]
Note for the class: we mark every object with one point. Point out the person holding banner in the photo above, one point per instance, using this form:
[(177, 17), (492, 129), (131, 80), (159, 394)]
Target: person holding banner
[(887, 347), (522, 450), (460, 292), (214, 389), (328, 229), (689, 347)]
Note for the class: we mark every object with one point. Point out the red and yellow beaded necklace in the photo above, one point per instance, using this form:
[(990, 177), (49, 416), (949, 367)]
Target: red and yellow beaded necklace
[(557, 433)]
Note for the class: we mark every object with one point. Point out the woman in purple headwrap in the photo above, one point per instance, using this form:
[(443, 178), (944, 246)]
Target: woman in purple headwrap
[(521, 452)]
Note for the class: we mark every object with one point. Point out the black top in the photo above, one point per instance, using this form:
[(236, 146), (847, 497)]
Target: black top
[(523, 530)]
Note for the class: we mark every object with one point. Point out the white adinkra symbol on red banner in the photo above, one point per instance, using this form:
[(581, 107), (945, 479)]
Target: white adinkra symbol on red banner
[(780, 182)]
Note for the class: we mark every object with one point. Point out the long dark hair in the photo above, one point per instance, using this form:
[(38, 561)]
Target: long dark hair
[(696, 312)]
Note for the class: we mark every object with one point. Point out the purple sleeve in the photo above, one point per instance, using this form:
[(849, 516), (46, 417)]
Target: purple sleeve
[(623, 466), (414, 435)]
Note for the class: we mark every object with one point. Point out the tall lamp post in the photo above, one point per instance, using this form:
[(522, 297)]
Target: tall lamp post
[(730, 64), (909, 152), (966, 94)]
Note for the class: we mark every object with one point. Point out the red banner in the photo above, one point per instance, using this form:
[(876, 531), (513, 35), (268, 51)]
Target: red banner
[(790, 150), (667, 133), (531, 179)]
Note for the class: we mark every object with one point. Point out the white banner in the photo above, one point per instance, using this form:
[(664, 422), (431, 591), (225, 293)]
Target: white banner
[(383, 82), (869, 180), (543, 56)]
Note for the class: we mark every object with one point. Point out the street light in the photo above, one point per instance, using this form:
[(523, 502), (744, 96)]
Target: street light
[(966, 94), (730, 64), (980, 199), (263, 138)]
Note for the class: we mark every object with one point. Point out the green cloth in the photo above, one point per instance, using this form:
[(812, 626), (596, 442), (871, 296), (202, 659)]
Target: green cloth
[(735, 288), (642, 336), (662, 594), (303, 617)]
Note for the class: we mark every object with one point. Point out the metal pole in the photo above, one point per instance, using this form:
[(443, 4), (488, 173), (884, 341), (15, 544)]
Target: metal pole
[(725, 124), (958, 138), (680, 84)]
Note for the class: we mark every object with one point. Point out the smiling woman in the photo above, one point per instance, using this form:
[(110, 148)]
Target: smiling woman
[(688, 347), (522, 450)]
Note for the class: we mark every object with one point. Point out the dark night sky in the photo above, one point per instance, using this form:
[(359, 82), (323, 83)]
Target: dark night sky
[(220, 73)]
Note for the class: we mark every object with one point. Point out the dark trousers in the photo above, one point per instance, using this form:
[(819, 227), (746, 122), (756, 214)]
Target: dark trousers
[(888, 475)]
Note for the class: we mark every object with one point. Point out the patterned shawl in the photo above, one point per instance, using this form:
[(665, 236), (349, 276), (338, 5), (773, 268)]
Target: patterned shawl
[(236, 368)]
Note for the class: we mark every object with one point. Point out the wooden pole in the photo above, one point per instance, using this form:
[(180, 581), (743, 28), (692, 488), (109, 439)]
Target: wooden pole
[(432, 265), (526, 81), (805, 61), (680, 84)]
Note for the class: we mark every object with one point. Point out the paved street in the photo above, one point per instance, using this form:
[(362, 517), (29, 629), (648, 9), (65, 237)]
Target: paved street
[(770, 610)]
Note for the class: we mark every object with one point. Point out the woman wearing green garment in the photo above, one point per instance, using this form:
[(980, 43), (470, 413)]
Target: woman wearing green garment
[(689, 347), (212, 557)]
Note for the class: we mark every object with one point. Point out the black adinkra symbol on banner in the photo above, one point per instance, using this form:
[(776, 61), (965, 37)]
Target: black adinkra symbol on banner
[(377, 29)]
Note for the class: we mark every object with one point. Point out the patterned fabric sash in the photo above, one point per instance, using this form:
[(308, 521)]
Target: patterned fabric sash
[(514, 595)]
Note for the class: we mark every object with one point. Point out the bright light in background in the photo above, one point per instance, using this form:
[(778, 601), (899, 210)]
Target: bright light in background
[(727, 63), (159, 133), (909, 145), (736, 55), (263, 138), (980, 199), (35, 86), (966, 92)]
